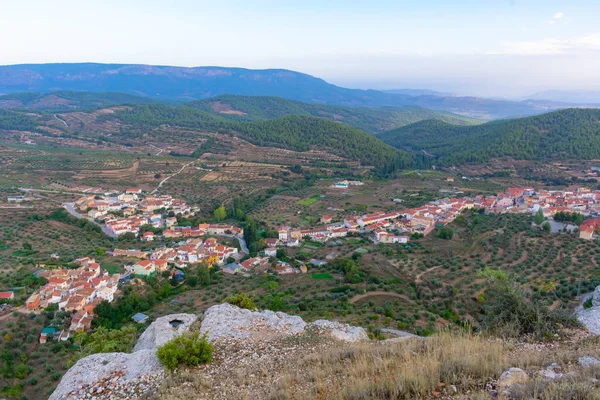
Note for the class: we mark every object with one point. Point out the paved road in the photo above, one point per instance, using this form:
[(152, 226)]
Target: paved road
[(157, 148), (170, 176), (61, 120), (240, 239), (70, 207)]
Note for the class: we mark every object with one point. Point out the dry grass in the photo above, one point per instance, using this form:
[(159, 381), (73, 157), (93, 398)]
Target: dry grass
[(402, 370)]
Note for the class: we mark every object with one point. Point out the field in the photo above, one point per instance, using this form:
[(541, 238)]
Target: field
[(310, 201), (323, 276)]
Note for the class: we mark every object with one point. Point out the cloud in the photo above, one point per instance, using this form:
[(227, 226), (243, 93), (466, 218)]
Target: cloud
[(550, 46), (556, 17)]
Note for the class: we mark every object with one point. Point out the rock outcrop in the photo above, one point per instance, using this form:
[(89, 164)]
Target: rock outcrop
[(596, 297), (164, 329), (340, 331), (128, 376), (512, 376), (123, 375), (225, 321)]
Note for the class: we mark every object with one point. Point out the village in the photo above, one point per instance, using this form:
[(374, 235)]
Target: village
[(77, 290), (398, 226), (80, 289)]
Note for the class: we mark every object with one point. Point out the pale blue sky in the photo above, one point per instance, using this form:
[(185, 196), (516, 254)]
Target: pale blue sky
[(488, 47)]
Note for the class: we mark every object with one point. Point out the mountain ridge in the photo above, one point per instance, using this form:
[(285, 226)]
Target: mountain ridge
[(193, 83)]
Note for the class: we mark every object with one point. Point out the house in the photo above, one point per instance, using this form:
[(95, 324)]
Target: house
[(588, 228), (326, 219), (47, 333), (33, 302), (144, 268), (106, 293), (139, 318), (160, 265), (283, 233), (7, 296), (271, 252), (133, 191), (148, 236), (232, 268), (270, 242)]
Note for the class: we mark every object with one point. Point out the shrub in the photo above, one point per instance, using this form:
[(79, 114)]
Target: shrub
[(588, 303), (509, 313), (241, 300), (189, 349)]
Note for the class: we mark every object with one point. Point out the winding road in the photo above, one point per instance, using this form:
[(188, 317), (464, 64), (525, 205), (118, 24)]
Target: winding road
[(70, 207), (170, 176), (61, 120), (157, 148)]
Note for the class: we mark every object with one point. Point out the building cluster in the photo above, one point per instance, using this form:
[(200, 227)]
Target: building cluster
[(191, 251), (201, 230), (390, 227), (130, 210), (79, 290), (345, 184)]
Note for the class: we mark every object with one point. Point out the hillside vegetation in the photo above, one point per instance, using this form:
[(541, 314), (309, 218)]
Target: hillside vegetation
[(371, 120), (68, 100), (565, 134), (16, 121), (294, 132)]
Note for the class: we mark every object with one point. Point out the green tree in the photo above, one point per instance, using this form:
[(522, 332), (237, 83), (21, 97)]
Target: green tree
[(546, 227), (539, 217), (220, 213), (203, 274)]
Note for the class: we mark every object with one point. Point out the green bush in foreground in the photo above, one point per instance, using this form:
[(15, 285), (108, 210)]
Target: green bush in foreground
[(241, 300), (189, 349)]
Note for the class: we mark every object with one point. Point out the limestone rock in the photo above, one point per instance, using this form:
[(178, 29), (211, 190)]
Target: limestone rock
[(99, 367), (512, 376), (224, 321), (553, 371), (596, 297), (341, 331), (104, 372), (590, 318), (588, 361), (164, 329)]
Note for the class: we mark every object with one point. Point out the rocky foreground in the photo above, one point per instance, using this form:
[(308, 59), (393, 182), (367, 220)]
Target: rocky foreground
[(130, 376)]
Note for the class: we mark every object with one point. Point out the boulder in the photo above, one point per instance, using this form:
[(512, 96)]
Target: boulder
[(596, 297), (512, 376), (164, 329), (588, 361), (339, 331), (590, 318), (110, 367), (110, 370), (224, 321), (552, 371)]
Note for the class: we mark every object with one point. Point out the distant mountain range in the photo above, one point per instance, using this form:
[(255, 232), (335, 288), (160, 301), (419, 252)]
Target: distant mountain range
[(564, 96), (184, 84)]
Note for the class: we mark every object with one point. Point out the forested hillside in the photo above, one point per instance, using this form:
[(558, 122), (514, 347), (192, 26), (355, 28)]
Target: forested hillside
[(565, 134), (68, 100), (10, 120), (370, 120), (294, 132)]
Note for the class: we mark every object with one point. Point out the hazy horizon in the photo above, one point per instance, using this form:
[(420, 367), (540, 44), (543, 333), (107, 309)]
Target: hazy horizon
[(498, 49)]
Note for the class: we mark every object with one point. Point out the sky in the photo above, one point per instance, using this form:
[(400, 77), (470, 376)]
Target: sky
[(498, 48)]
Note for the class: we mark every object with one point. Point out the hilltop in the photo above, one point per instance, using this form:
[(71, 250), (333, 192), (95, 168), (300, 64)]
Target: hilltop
[(565, 134), (371, 120), (67, 100)]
